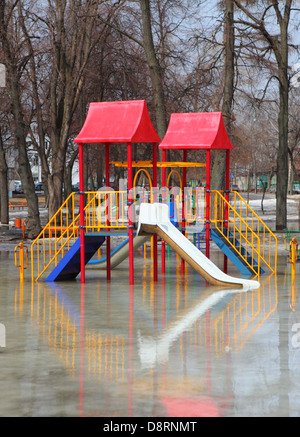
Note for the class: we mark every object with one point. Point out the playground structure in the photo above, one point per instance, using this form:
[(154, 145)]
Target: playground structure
[(69, 241)]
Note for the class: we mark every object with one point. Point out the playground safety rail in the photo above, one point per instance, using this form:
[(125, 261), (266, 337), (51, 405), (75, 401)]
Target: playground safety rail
[(237, 221), (103, 210), (109, 209), (268, 239), (235, 230)]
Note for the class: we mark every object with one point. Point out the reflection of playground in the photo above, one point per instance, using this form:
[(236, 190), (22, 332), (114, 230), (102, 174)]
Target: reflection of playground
[(201, 325), (59, 321), (223, 319)]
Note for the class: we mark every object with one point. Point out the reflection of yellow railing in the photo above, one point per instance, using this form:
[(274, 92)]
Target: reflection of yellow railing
[(60, 328), (243, 316), (106, 351), (228, 327)]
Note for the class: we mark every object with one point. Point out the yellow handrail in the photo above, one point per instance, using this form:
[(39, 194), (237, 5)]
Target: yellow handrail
[(106, 209), (236, 231), (246, 227), (60, 224), (64, 225), (268, 239)]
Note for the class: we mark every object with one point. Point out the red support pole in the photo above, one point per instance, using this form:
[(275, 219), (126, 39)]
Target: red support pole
[(163, 244), (82, 352), (163, 178), (183, 206), (227, 182), (108, 270), (184, 185), (227, 177), (154, 165), (130, 205), (81, 211), (207, 201)]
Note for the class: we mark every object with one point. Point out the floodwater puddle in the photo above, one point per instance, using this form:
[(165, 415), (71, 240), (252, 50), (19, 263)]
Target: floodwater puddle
[(173, 348)]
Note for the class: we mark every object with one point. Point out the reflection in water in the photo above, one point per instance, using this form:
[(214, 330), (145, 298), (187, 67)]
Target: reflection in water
[(156, 350), (172, 348)]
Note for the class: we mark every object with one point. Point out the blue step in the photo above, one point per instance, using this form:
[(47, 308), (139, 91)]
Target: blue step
[(69, 266), (232, 254)]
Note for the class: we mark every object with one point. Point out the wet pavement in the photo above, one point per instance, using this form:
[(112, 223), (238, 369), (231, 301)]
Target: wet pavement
[(177, 348)]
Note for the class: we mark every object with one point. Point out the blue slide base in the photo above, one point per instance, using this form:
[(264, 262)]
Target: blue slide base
[(69, 267), (233, 255)]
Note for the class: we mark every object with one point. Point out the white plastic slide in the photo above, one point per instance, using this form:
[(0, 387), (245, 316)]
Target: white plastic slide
[(154, 218), (118, 255)]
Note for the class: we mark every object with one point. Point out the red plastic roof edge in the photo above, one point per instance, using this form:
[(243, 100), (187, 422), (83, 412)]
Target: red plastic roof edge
[(118, 122), (201, 130)]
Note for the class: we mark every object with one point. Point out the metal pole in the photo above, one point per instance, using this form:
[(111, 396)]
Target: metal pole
[(154, 164), (183, 206), (130, 206), (163, 243), (227, 184), (207, 201), (81, 211), (108, 270)]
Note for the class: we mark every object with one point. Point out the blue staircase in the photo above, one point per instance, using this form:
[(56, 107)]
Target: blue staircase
[(69, 266), (238, 259)]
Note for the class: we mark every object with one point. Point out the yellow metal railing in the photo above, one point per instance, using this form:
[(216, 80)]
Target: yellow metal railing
[(237, 232), (268, 239), (109, 209), (104, 209), (244, 229), (56, 237)]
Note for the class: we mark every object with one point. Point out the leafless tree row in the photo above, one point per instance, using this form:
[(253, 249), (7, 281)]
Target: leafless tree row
[(180, 56)]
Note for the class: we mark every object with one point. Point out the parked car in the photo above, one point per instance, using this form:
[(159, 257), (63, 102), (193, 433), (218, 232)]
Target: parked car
[(235, 187), (75, 187), (39, 186), (18, 187)]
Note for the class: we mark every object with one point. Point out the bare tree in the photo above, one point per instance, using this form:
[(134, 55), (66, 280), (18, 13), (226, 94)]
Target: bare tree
[(219, 165), (294, 136), (4, 215), (70, 25), (255, 17), (155, 69), (15, 66)]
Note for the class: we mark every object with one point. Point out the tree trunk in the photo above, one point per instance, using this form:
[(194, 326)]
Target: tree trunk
[(55, 182), (155, 70), (219, 156), (4, 217), (282, 156), (68, 175), (281, 53), (279, 45), (33, 218)]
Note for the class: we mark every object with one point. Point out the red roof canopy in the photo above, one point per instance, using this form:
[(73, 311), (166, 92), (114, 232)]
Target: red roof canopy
[(118, 122), (201, 130)]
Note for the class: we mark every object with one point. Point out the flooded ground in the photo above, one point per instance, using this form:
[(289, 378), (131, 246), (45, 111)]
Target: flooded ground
[(172, 349)]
